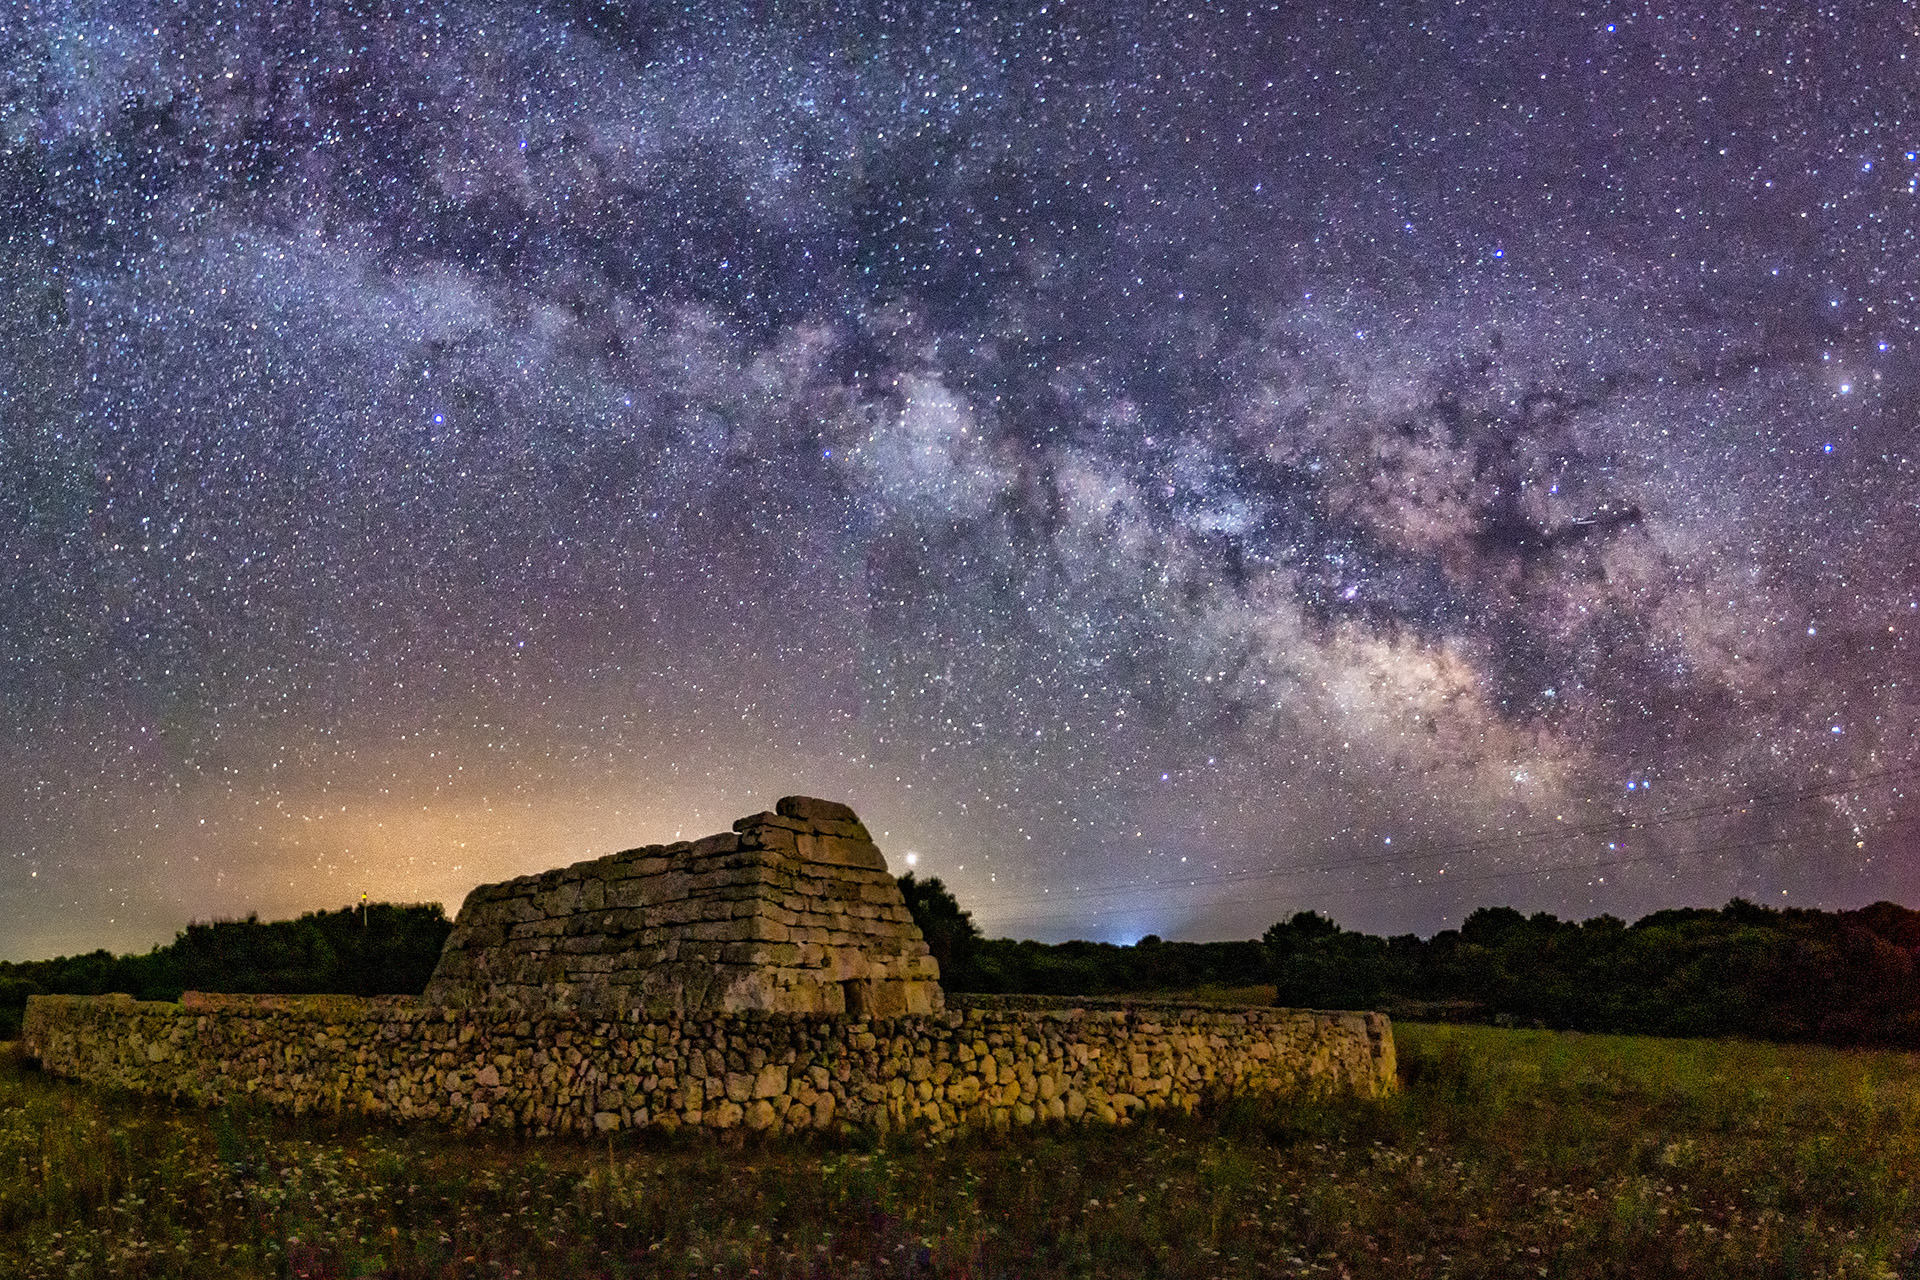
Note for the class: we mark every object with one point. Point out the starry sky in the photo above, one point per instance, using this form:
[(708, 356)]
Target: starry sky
[(1168, 465)]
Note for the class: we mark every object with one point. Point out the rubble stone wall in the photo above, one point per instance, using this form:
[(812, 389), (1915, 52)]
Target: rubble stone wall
[(979, 1063)]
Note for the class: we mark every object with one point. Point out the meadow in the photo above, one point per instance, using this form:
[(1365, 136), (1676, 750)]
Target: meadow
[(1506, 1153)]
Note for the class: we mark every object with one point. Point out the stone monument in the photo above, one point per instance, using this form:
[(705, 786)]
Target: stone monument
[(790, 912)]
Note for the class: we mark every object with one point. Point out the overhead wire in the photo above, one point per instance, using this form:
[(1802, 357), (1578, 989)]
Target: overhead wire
[(1556, 834), (1474, 878)]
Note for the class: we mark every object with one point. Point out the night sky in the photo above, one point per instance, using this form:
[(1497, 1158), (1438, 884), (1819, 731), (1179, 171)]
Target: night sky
[(1167, 465)]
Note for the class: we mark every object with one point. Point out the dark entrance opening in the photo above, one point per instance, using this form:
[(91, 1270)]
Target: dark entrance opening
[(854, 991)]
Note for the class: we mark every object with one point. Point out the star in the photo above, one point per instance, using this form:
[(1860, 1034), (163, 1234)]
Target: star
[(1079, 441)]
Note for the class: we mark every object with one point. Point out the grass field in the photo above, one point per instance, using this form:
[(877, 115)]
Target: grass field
[(1508, 1153)]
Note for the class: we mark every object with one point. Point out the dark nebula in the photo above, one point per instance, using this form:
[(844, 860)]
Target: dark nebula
[(1167, 465)]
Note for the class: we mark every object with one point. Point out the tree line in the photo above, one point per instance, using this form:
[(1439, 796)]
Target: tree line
[(1791, 974), (379, 948)]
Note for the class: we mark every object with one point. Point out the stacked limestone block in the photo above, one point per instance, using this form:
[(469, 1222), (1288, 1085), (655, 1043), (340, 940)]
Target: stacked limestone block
[(790, 912), (983, 1063)]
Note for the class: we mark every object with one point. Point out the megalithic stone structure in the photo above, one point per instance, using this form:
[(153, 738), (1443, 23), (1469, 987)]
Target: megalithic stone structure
[(790, 912)]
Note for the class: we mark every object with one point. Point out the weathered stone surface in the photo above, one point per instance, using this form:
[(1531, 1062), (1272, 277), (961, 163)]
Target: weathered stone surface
[(808, 809), (987, 1062), (838, 851), (792, 911)]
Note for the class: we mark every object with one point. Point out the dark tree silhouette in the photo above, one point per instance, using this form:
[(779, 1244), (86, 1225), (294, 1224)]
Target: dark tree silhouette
[(950, 932), (373, 949)]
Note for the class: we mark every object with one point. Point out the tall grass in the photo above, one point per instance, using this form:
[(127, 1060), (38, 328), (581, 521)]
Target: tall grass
[(1508, 1153)]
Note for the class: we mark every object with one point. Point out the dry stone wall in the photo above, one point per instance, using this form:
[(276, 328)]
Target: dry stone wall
[(979, 1063), (770, 978), (790, 912)]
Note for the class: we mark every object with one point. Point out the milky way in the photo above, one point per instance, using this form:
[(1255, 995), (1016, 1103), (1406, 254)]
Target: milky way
[(1168, 466)]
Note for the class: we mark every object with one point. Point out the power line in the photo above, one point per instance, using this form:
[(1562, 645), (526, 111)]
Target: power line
[(1669, 856), (1760, 801)]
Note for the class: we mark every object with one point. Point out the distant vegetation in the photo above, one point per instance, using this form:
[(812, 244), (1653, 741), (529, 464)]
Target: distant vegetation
[(382, 949), (1834, 977)]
